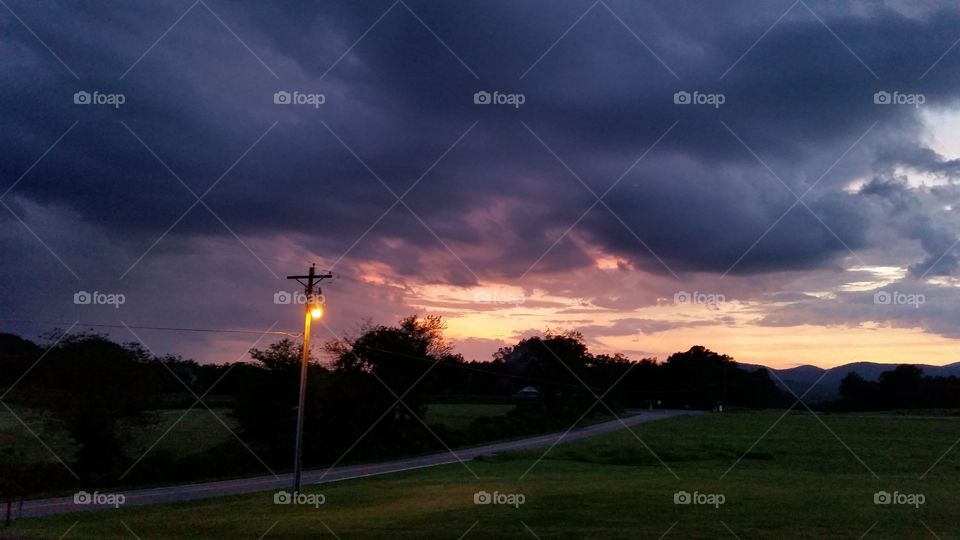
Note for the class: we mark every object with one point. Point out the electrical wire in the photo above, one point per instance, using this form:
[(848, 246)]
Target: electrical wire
[(164, 328)]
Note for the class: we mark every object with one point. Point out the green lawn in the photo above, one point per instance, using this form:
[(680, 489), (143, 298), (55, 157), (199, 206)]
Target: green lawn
[(798, 482)]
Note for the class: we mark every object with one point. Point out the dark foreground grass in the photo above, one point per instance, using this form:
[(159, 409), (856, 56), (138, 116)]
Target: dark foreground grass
[(804, 479)]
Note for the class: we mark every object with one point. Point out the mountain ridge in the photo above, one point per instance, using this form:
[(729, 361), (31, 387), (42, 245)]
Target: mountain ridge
[(822, 384)]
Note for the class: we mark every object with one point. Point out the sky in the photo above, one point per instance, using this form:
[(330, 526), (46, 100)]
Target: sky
[(772, 180)]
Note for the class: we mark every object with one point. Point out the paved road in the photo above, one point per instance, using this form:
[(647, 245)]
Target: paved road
[(206, 490)]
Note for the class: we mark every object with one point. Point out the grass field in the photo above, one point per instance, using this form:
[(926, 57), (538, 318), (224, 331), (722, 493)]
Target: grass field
[(15, 435), (459, 415), (197, 431), (799, 481)]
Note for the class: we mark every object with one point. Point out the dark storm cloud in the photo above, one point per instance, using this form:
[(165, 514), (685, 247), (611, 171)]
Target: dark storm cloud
[(922, 215), (599, 99)]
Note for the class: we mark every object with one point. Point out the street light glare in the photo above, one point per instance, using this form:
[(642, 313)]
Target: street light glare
[(316, 312)]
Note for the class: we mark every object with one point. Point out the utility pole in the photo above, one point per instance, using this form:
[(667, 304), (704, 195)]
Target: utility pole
[(313, 309)]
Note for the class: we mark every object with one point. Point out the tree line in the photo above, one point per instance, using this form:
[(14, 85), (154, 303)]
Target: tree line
[(904, 387), (368, 399)]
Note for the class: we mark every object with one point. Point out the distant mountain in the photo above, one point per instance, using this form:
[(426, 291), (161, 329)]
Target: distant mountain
[(801, 378)]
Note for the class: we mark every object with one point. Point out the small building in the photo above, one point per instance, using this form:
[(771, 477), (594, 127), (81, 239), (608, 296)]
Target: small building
[(528, 392)]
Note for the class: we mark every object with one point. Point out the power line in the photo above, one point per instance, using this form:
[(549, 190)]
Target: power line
[(165, 328)]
